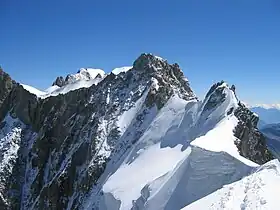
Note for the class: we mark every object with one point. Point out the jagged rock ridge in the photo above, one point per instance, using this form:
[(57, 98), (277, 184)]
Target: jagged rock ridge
[(64, 143)]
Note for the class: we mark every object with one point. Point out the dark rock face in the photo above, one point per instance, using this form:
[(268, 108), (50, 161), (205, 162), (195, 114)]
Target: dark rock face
[(167, 77), (6, 85), (251, 142), (216, 96), (272, 134), (59, 81)]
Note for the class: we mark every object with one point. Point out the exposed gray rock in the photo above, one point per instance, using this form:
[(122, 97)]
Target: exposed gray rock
[(251, 142), (6, 85), (59, 81)]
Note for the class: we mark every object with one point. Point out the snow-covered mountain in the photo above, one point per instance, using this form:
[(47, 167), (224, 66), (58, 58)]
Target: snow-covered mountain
[(137, 138), (84, 78)]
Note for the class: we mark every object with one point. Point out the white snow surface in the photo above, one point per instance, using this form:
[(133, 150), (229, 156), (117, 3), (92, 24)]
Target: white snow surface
[(259, 190), (186, 153), (116, 71), (33, 90), (160, 58), (147, 157), (51, 89)]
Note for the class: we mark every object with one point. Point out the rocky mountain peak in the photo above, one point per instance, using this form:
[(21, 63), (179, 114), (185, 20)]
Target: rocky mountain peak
[(147, 60), (168, 76)]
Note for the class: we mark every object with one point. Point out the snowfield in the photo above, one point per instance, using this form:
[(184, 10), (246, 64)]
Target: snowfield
[(259, 190)]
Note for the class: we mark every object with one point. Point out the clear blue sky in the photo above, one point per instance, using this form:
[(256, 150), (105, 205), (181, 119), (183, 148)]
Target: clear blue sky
[(234, 40)]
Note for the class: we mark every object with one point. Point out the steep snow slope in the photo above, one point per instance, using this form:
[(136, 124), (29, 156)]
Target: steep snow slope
[(256, 191), (186, 153), (147, 156)]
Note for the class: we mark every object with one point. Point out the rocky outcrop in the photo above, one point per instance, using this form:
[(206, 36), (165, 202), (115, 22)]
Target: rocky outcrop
[(250, 141), (59, 81), (6, 85)]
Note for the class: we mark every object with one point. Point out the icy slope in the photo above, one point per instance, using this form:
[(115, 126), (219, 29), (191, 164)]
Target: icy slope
[(259, 190), (144, 163), (186, 153)]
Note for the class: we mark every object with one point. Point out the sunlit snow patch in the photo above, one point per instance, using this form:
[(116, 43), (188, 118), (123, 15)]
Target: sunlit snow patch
[(116, 71)]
